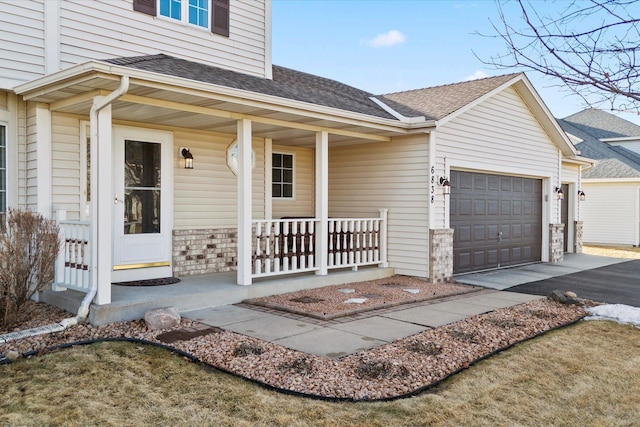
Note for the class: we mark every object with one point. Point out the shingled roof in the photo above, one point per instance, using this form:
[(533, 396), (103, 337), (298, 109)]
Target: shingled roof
[(437, 102), (286, 83), (592, 125)]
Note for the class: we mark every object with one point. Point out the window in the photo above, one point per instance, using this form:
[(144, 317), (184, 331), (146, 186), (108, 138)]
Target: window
[(3, 170), (210, 14), (282, 176), (195, 12)]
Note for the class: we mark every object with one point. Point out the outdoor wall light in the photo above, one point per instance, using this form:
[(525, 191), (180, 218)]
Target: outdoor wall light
[(446, 185), (559, 193), (188, 157), (581, 195)]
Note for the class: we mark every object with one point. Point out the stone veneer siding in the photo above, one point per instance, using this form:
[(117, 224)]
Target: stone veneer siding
[(556, 242), (204, 251), (440, 255), (577, 248)]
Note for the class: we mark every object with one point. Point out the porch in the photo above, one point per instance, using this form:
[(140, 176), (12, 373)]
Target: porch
[(196, 292)]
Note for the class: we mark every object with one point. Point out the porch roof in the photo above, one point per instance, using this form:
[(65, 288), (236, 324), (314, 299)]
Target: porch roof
[(178, 93)]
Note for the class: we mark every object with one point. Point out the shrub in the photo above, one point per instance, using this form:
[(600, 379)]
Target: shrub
[(29, 246)]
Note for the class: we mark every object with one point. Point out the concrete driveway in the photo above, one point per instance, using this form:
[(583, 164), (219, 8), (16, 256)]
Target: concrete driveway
[(604, 279)]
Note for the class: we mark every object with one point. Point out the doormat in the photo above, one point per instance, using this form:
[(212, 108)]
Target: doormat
[(150, 282)]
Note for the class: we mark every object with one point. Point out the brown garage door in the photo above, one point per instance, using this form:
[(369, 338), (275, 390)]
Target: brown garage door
[(497, 220)]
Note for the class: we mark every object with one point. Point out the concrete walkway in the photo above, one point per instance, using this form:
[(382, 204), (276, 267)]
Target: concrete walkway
[(355, 333), (363, 331)]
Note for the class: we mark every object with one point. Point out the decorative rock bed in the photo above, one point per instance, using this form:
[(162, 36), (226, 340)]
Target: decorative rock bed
[(396, 369)]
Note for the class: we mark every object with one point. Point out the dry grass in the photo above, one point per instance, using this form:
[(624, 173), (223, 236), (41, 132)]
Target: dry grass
[(586, 374), (612, 251)]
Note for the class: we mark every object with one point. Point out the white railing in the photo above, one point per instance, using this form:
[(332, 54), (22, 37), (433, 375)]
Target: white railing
[(73, 266), (354, 242), (287, 246), (283, 246)]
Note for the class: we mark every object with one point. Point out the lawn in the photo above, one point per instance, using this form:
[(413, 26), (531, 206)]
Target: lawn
[(584, 374)]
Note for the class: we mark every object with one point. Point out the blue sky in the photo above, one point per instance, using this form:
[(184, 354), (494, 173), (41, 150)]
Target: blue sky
[(385, 46)]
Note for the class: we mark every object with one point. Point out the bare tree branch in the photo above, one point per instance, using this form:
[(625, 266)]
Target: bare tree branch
[(589, 46)]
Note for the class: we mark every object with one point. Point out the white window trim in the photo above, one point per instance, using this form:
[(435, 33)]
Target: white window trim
[(184, 16), (293, 183)]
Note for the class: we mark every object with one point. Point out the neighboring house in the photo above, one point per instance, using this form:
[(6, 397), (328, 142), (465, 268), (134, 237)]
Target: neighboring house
[(611, 212), (105, 105)]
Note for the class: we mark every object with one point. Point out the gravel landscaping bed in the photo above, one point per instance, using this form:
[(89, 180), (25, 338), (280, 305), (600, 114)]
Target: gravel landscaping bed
[(395, 369), (331, 302)]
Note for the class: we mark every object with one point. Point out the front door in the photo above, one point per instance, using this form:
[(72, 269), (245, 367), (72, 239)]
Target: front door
[(142, 208)]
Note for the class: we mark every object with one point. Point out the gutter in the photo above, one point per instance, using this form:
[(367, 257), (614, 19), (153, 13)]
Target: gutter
[(83, 311)]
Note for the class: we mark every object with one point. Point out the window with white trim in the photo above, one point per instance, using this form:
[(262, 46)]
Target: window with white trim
[(282, 176), (194, 12), (210, 14), (3, 169)]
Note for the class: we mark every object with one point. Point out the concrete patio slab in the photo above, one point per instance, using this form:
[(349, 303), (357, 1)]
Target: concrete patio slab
[(329, 342), (224, 315), (271, 327), (382, 328)]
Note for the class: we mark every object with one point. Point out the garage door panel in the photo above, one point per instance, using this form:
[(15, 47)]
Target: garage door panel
[(511, 205)]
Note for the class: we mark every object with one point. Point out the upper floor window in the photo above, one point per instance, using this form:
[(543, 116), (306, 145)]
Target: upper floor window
[(210, 14), (195, 12), (3, 169), (282, 176)]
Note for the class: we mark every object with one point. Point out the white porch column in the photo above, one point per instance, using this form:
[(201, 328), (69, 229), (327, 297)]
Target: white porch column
[(322, 201), (244, 202), (102, 199), (43, 159)]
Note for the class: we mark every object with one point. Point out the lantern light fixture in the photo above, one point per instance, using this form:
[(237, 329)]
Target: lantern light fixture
[(559, 193), (188, 157), (581, 195), (446, 185)]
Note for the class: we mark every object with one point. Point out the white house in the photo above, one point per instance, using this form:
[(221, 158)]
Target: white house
[(612, 188), (105, 106)]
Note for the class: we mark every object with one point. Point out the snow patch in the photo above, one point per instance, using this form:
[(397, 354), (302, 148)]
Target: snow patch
[(412, 291), (618, 312)]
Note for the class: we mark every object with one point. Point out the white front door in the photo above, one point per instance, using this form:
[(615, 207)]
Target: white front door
[(142, 209)]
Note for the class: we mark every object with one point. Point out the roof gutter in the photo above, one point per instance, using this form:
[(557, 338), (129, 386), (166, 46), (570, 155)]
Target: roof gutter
[(83, 311)]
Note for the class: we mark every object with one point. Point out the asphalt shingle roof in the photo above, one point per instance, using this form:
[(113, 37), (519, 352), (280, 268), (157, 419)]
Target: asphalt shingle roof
[(591, 125), (286, 83), (433, 103), (437, 102)]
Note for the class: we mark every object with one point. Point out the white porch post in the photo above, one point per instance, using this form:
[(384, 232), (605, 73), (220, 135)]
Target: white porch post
[(322, 201), (102, 199), (244, 202), (43, 159)]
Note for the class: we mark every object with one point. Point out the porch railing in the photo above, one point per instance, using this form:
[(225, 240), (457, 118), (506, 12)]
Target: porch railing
[(73, 264), (288, 246)]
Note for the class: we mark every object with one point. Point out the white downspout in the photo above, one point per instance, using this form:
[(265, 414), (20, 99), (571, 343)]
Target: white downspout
[(83, 311)]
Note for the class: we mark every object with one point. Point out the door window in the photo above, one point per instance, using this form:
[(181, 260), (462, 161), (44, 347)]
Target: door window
[(141, 187)]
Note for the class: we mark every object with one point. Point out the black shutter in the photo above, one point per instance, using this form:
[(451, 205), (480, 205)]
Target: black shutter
[(220, 17), (145, 6)]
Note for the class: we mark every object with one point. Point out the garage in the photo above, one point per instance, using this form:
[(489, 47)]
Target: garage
[(497, 220)]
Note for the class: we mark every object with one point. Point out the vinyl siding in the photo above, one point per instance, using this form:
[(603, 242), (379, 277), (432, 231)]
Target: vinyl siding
[(206, 196), (631, 145), (499, 135), (571, 175), (364, 178), (104, 29), (65, 164), (611, 213), (22, 40), (302, 205), (31, 166)]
